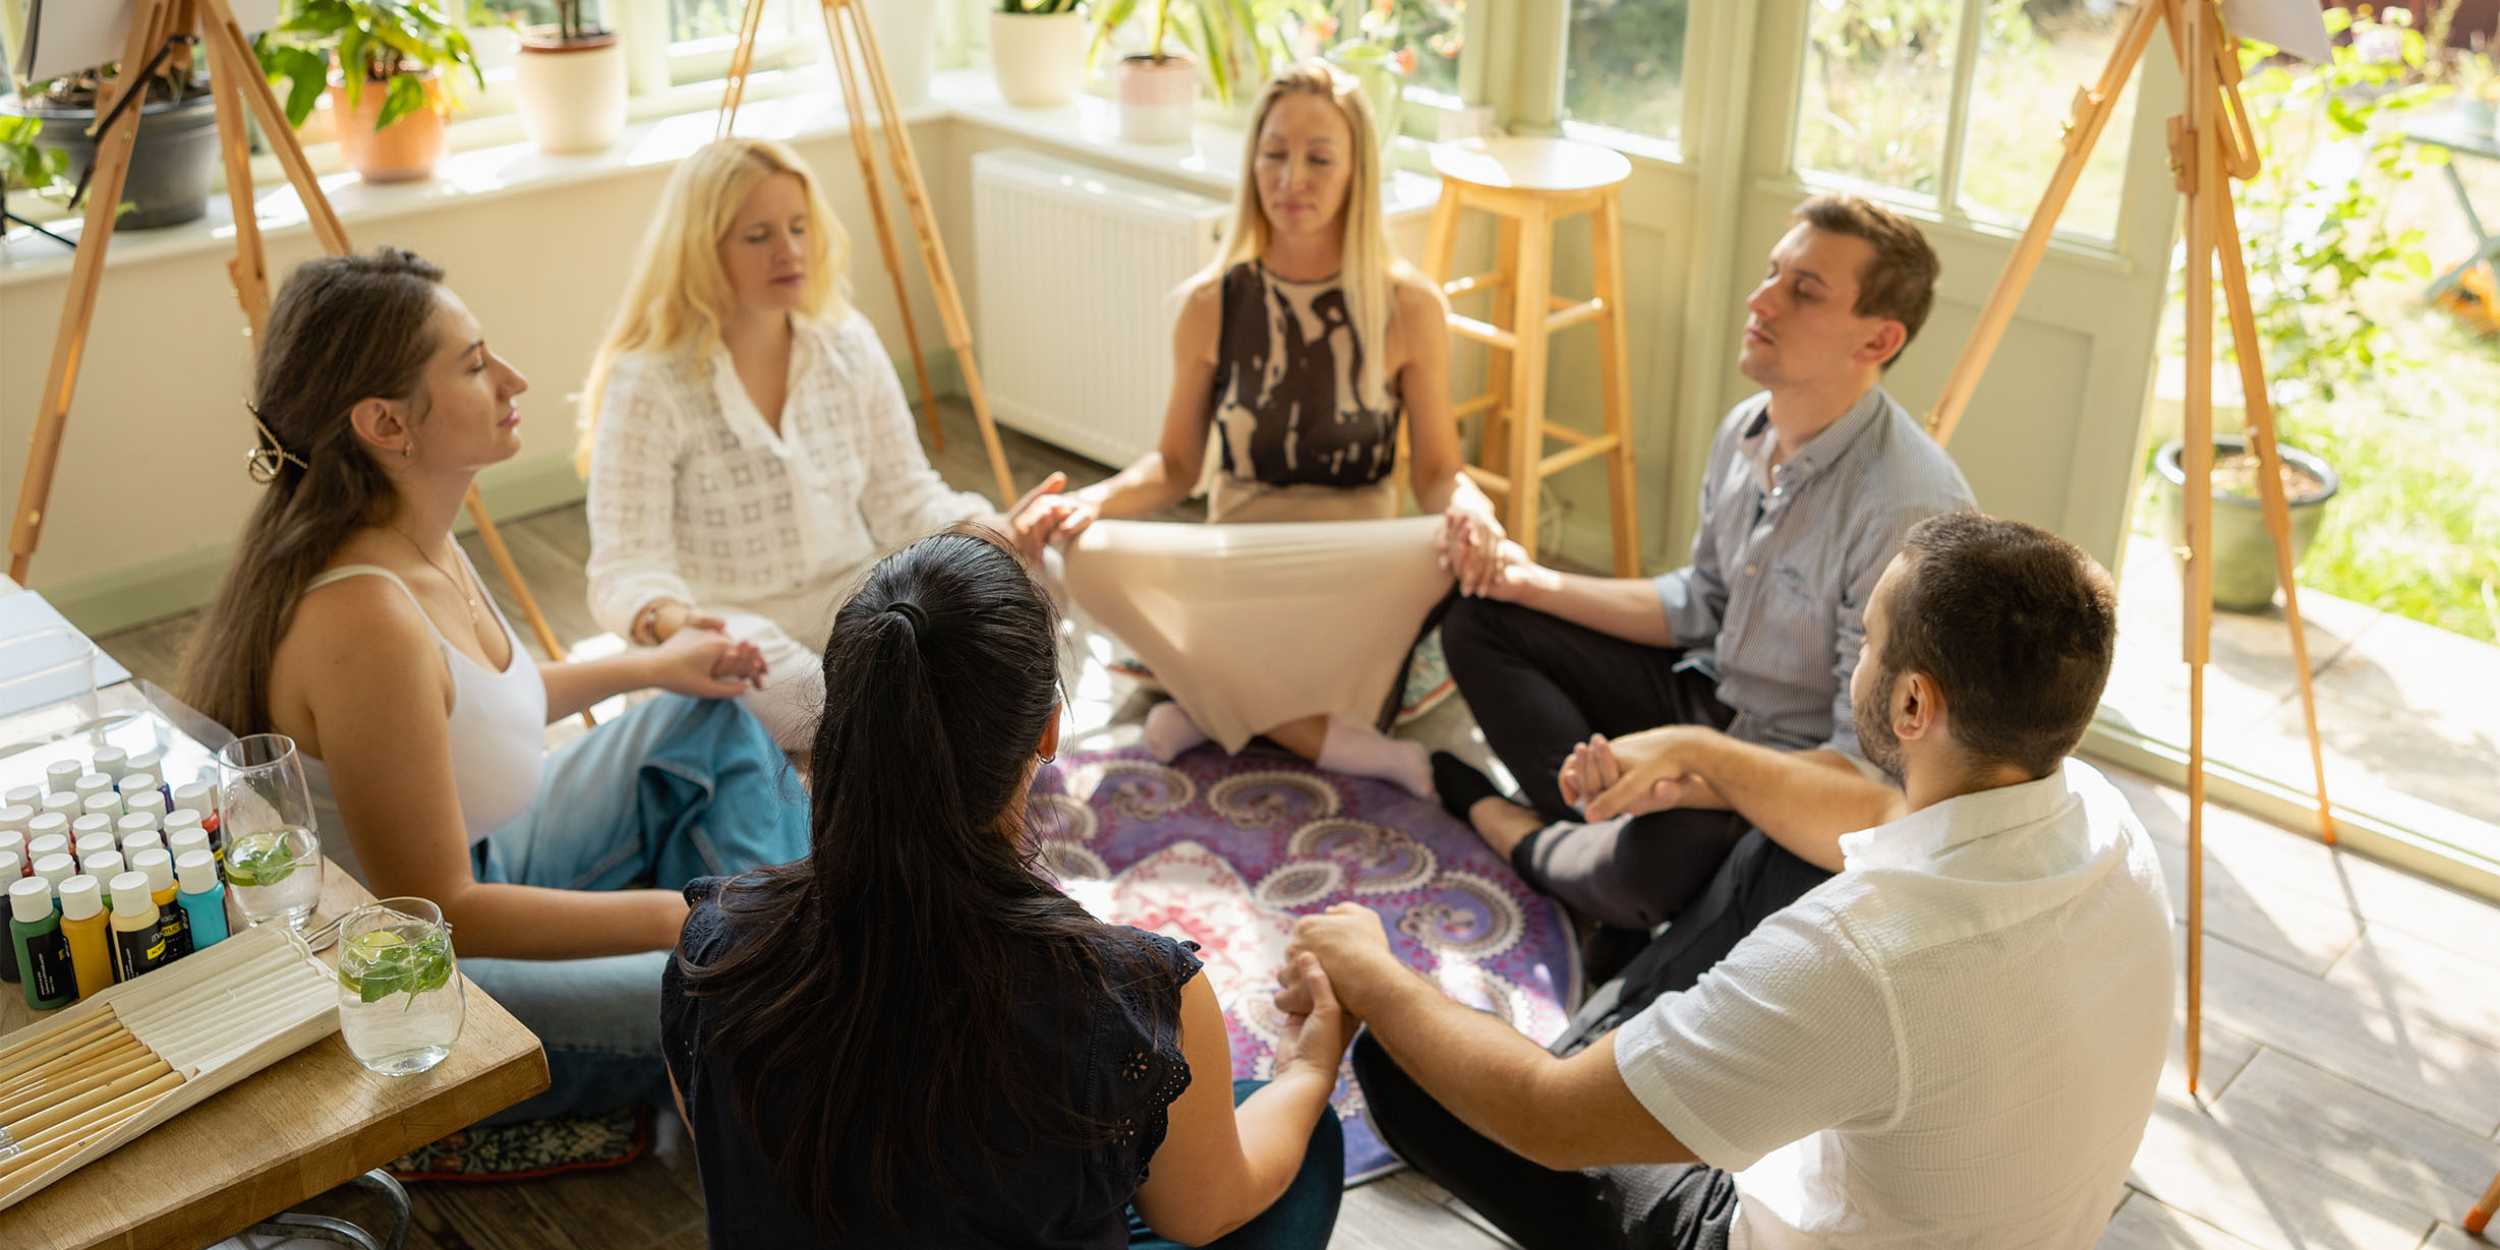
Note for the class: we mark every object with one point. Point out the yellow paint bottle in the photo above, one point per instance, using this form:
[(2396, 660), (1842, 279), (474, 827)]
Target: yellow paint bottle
[(90, 940)]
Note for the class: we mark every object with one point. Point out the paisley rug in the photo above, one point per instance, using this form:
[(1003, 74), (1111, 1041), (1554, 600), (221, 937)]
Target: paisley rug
[(1226, 851)]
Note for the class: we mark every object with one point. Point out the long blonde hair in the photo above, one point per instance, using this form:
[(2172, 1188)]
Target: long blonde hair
[(1369, 265), (679, 296)]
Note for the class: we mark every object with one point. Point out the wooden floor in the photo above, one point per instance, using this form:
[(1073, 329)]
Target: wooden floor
[(2351, 1077)]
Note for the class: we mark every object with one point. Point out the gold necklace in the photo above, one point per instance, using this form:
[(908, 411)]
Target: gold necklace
[(475, 622)]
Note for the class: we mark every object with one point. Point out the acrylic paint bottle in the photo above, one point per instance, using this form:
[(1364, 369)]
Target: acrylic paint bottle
[(47, 825), (62, 803), (36, 942), (61, 776), (203, 897), (90, 937), (144, 840), (90, 785), (105, 867), (86, 827), (13, 842), (8, 950), (201, 797), (95, 842), (172, 922), (102, 803), (180, 841), (113, 762), (22, 796), (148, 803), (137, 784), (138, 941), (56, 869), (14, 817)]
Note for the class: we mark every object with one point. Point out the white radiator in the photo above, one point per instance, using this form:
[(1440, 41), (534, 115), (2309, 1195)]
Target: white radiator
[(1078, 272)]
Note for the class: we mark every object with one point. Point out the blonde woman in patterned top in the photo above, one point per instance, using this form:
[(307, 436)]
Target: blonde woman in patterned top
[(1298, 353), (749, 449)]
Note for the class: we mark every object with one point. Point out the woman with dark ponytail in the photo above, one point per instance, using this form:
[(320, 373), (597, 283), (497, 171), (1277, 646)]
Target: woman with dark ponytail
[(352, 623), (911, 1037)]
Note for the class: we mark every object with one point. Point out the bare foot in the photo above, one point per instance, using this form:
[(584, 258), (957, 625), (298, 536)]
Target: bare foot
[(1503, 824)]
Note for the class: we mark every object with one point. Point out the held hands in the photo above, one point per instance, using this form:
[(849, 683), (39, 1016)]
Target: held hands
[(1045, 516), (1346, 942), (1470, 543), (1500, 569), (701, 661), (1317, 1030), (1650, 771)]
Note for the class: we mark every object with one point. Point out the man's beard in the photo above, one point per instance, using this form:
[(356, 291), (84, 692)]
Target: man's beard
[(1874, 725)]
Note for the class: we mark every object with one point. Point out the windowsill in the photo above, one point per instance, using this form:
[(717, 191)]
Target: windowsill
[(490, 157)]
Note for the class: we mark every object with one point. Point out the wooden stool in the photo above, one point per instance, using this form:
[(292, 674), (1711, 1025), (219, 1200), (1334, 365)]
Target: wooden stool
[(1529, 184)]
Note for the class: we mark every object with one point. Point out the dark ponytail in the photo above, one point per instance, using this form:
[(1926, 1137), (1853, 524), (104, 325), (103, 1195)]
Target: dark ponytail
[(879, 983)]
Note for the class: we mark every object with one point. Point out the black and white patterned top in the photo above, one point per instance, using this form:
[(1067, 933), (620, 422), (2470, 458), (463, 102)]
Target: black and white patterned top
[(1285, 402)]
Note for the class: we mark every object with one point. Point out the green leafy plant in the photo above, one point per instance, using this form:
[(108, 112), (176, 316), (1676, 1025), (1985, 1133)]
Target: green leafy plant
[(26, 166), (574, 24), (1040, 7), (2315, 222), (389, 43), (1237, 44)]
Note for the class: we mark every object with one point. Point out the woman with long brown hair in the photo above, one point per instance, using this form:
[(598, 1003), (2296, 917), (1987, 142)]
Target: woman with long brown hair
[(352, 623), (912, 1038)]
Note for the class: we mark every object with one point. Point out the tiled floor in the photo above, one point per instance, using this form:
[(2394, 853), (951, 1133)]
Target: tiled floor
[(2351, 1069), (2406, 712)]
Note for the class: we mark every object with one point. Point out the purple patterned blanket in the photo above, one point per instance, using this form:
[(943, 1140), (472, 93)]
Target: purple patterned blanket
[(1226, 851)]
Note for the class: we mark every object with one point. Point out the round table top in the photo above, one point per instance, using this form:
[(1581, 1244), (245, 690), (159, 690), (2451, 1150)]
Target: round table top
[(1531, 164)]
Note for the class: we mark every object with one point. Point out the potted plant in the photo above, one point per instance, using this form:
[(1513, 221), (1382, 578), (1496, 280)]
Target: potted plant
[(1037, 51), (174, 165), (26, 165), (2243, 549), (1234, 44), (1374, 57), (1158, 91), (389, 96), (571, 80), (494, 28)]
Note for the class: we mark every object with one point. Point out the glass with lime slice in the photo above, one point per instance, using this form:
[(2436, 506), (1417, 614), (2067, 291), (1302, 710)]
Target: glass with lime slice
[(400, 998), (274, 875)]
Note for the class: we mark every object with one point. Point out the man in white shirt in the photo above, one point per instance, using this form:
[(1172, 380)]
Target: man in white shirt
[(1954, 1042)]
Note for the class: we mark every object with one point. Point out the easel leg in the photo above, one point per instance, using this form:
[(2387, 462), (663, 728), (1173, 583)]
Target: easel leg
[(741, 60), (932, 248), (2201, 167), (149, 28), (869, 184), (2261, 437), (248, 269)]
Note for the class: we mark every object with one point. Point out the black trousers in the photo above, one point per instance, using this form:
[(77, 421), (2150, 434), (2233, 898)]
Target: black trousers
[(1631, 1207), (1539, 686)]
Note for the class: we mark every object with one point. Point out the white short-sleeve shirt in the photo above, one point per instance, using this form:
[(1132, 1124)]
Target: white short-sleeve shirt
[(1953, 1043)]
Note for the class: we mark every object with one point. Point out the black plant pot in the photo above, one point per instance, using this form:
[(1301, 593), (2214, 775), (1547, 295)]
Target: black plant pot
[(172, 168)]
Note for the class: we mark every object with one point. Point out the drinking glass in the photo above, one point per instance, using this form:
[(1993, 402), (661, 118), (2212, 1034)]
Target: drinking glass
[(272, 851), (400, 1001)]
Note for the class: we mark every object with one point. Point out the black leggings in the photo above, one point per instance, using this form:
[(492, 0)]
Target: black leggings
[(1634, 1207), (1539, 686)]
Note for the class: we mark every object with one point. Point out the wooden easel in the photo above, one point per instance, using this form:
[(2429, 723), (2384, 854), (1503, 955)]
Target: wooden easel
[(235, 84), (855, 55), (2208, 146)]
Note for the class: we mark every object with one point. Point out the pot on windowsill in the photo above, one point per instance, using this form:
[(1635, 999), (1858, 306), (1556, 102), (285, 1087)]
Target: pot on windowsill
[(571, 90), (1158, 98), (2243, 550), (1038, 58), (173, 167), (404, 151)]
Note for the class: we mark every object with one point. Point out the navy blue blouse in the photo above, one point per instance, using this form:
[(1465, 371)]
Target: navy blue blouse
[(1124, 1066)]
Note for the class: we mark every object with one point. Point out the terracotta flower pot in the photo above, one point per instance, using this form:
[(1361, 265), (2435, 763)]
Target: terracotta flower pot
[(1158, 98), (406, 150)]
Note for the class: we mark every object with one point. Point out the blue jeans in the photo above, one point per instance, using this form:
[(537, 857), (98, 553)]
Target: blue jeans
[(1301, 1218), (675, 789)]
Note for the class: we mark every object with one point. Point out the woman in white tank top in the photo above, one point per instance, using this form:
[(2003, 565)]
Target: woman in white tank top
[(353, 623)]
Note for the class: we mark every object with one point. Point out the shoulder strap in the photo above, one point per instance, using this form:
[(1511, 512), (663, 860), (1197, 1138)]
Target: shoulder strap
[(345, 571)]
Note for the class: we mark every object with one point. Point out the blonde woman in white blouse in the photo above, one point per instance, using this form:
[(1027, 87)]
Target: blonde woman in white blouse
[(749, 449)]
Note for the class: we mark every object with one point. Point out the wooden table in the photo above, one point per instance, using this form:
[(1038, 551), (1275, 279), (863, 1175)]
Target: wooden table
[(302, 1126)]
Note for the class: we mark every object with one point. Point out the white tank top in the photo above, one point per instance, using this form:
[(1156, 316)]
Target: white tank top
[(498, 733)]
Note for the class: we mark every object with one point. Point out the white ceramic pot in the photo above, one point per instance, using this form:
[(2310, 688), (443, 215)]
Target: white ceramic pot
[(495, 46), (1039, 58), (572, 95), (1158, 99), (907, 35)]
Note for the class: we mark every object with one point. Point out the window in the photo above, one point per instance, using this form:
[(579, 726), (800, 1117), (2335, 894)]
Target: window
[(1623, 66), (703, 33), (2028, 72), (1884, 86)]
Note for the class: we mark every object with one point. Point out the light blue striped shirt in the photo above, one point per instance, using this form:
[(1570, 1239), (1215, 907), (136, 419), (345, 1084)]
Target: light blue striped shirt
[(1773, 605)]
